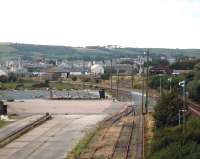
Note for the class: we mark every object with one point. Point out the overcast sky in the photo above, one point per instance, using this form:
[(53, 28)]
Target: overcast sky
[(135, 23)]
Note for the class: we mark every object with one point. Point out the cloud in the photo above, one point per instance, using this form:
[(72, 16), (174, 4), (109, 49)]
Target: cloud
[(136, 23)]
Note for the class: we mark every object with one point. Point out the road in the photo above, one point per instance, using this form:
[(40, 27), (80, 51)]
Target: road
[(138, 134)]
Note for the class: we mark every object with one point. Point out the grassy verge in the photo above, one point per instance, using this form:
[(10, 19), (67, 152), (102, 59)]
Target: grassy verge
[(62, 86), (3, 123), (82, 145), (31, 85), (148, 134)]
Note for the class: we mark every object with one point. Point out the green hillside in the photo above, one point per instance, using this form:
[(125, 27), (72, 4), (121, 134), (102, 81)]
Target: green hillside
[(12, 50)]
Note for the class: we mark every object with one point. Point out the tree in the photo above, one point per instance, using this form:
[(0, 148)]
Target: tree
[(194, 83), (12, 77), (74, 78), (3, 78), (167, 110), (194, 89)]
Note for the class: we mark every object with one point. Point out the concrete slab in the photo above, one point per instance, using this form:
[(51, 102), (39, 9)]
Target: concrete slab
[(55, 138), (41, 106)]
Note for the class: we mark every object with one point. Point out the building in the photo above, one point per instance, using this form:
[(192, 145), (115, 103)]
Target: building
[(97, 69), (178, 72), (160, 69), (171, 60), (3, 73)]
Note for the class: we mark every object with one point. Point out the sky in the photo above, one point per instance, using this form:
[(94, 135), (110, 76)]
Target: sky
[(128, 23)]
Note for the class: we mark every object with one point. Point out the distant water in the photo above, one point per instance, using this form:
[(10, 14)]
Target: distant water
[(44, 94)]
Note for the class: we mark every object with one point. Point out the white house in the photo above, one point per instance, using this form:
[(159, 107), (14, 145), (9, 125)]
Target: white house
[(97, 69), (3, 73)]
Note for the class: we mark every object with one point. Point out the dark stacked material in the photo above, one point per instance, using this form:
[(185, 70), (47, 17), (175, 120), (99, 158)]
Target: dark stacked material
[(3, 108)]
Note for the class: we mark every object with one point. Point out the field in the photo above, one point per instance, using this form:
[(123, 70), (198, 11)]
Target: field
[(13, 50)]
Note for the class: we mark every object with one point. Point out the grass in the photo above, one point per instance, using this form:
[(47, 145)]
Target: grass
[(28, 84), (3, 123), (148, 134), (14, 85), (62, 86), (82, 145)]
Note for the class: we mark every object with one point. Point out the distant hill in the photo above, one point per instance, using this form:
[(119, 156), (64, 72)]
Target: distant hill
[(12, 50)]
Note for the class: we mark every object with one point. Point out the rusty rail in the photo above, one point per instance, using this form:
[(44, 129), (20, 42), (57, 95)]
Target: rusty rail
[(112, 120), (129, 137)]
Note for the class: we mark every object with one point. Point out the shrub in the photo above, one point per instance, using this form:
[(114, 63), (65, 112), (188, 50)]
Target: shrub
[(85, 79), (74, 78), (194, 89), (171, 143), (167, 110), (3, 79)]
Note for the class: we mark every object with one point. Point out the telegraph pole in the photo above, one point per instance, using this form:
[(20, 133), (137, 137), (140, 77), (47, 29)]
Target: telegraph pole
[(117, 83), (147, 80), (132, 77), (143, 85), (143, 82), (111, 75)]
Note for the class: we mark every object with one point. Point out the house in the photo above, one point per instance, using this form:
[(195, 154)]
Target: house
[(160, 69), (56, 73), (97, 69), (3, 73), (178, 72), (171, 60)]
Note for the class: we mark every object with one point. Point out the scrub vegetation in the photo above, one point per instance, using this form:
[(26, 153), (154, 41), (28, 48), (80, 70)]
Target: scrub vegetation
[(170, 140)]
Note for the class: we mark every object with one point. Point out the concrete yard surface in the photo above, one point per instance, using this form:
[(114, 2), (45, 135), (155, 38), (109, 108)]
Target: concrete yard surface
[(51, 140), (55, 138), (17, 125), (39, 106)]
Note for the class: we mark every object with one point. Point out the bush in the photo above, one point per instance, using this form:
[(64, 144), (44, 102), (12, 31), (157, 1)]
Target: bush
[(167, 110), (194, 89), (3, 79), (105, 76), (40, 85), (74, 78), (12, 77), (171, 143), (85, 79), (154, 81), (185, 65)]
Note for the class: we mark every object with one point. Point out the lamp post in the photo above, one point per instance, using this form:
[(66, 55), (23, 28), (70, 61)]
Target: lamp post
[(143, 84), (183, 85), (132, 77), (183, 111), (170, 84), (117, 83), (111, 76)]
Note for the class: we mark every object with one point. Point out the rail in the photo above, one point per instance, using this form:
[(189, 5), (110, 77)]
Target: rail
[(112, 120), (122, 146)]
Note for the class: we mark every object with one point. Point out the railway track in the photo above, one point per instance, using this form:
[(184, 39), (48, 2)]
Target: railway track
[(17, 133), (122, 146), (193, 108), (107, 123)]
